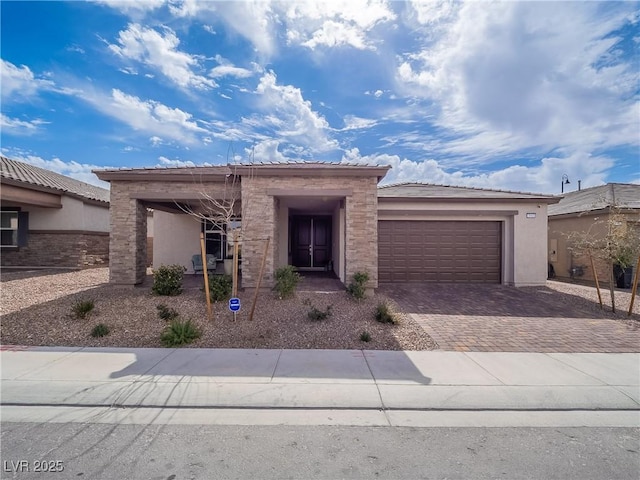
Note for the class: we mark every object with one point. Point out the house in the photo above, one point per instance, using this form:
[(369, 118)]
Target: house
[(50, 220), (327, 216), (588, 210)]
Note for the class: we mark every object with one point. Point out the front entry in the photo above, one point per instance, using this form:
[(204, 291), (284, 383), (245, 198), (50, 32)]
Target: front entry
[(311, 242)]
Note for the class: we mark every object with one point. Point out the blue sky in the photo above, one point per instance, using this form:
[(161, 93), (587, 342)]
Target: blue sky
[(508, 95)]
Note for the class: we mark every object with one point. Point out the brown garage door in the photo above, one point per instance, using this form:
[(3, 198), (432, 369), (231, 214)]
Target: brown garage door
[(439, 251)]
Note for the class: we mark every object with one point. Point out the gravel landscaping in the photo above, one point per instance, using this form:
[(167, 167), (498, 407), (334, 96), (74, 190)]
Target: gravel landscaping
[(36, 309)]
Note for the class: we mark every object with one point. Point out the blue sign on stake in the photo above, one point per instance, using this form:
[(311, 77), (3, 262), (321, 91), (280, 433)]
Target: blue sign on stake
[(234, 304)]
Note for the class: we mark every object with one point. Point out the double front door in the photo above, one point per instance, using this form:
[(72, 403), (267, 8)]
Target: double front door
[(311, 241)]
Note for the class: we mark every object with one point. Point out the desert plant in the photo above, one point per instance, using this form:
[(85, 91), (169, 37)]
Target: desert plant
[(286, 281), (220, 287), (365, 336), (357, 288), (385, 315), (166, 313), (179, 333), (100, 330), (167, 280), (316, 314), (82, 308)]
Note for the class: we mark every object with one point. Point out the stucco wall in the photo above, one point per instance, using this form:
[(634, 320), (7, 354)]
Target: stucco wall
[(176, 239), (560, 229), (74, 215), (524, 258)]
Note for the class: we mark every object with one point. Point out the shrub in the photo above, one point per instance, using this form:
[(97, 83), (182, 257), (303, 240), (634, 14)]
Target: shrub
[(365, 336), (167, 280), (100, 330), (357, 288), (220, 287), (82, 308), (316, 315), (385, 315), (179, 333), (286, 281), (166, 313)]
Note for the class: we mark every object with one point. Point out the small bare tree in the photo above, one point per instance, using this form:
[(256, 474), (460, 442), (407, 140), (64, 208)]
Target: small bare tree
[(222, 211), (619, 246)]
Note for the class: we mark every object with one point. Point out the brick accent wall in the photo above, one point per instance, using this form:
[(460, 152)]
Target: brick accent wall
[(260, 220), (128, 244), (60, 249)]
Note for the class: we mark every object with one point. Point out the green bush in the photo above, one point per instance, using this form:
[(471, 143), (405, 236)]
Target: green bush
[(167, 280), (220, 287), (179, 333), (385, 315), (166, 313), (82, 308), (316, 315), (365, 336), (357, 288), (286, 281), (100, 330)]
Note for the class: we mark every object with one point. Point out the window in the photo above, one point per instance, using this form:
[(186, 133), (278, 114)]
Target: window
[(218, 237), (213, 238), (13, 228)]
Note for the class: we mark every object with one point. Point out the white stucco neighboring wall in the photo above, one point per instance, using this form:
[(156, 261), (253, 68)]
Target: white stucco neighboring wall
[(176, 238), (74, 215), (524, 238)]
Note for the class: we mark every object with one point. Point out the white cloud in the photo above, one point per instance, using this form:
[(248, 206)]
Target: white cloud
[(73, 169), (133, 7), (160, 52), (226, 68), (266, 151), (334, 24), (352, 122), (166, 162), (292, 117), (15, 126), (147, 116), (530, 73), (543, 177), (20, 82), (335, 34)]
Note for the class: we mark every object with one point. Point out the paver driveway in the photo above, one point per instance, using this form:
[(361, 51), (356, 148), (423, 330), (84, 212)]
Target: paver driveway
[(486, 318)]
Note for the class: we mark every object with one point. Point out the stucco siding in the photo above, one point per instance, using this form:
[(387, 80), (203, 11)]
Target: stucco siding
[(74, 215), (176, 239)]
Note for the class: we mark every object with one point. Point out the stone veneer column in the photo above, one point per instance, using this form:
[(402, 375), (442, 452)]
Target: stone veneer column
[(128, 240), (361, 246), (258, 223)]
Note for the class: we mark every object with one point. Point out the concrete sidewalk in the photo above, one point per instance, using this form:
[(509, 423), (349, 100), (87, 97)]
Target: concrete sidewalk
[(319, 379)]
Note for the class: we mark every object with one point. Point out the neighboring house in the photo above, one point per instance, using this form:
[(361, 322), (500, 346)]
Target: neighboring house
[(50, 220), (587, 210), (325, 216)]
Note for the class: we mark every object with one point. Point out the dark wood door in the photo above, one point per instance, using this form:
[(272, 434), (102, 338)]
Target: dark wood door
[(311, 241), (439, 251)]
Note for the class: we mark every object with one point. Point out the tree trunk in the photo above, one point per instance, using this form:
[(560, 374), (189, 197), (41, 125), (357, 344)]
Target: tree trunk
[(611, 287)]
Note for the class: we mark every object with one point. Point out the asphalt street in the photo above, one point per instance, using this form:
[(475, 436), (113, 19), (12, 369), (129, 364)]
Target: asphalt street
[(175, 452)]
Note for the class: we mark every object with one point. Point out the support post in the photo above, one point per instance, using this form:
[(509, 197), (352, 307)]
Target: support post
[(262, 265), (235, 267), (203, 254)]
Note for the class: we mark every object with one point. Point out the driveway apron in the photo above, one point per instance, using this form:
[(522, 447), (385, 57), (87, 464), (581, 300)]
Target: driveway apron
[(498, 318)]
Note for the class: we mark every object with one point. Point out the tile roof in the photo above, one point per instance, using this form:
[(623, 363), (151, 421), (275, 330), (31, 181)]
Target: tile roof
[(426, 190), (28, 174), (596, 198)]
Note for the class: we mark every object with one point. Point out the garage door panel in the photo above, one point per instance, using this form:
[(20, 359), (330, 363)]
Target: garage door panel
[(439, 251)]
